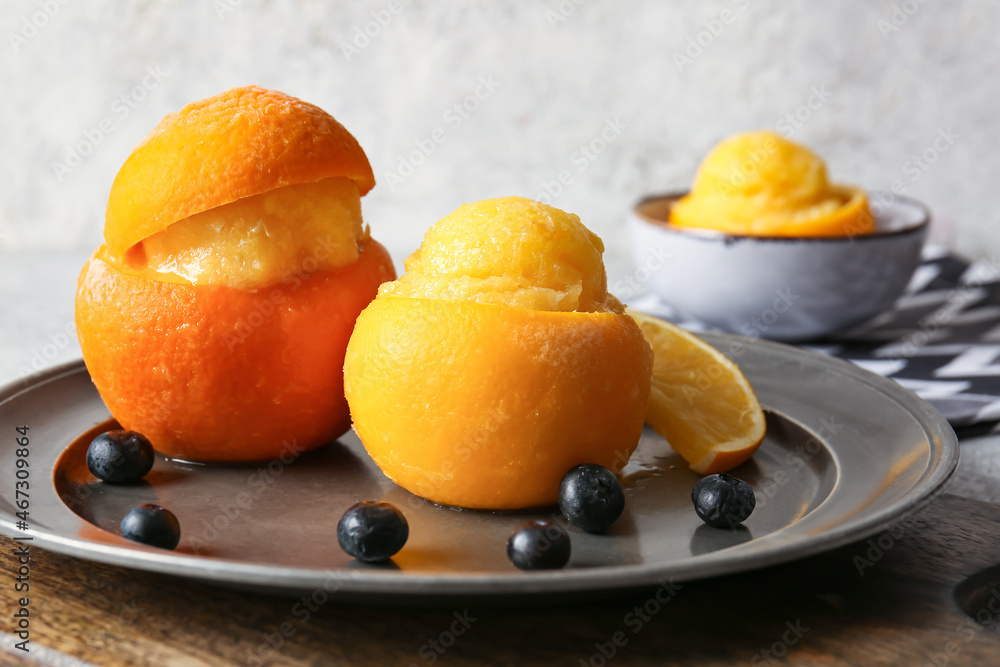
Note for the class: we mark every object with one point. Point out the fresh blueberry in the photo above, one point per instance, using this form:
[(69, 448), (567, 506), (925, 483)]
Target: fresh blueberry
[(372, 532), (153, 525), (723, 501), (120, 457), (591, 497), (539, 544)]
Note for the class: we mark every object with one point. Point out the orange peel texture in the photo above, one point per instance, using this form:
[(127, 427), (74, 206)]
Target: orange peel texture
[(498, 360), (761, 184), (216, 316)]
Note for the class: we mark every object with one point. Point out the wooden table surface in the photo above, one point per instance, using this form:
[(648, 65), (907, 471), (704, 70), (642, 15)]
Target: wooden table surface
[(900, 609)]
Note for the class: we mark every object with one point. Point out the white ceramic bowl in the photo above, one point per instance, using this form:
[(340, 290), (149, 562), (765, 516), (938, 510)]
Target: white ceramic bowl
[(788, 289)]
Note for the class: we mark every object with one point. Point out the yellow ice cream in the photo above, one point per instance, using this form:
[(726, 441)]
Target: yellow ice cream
[(761, 184), (259, 240), (510, 251)]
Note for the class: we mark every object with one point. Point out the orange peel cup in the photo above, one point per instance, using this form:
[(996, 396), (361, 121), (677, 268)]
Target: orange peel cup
[(498, 361), (215, 317)]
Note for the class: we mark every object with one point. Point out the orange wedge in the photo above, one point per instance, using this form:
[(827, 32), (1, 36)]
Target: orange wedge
[(699, 400)]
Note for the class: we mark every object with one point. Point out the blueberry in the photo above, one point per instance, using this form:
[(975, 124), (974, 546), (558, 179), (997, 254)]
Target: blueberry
[(591, 497), (372, 532), (153, 525), (723, 501), (120, 457), (539, 544)]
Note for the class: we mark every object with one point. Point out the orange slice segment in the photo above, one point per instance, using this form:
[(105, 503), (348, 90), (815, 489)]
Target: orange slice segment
[(699, 400)]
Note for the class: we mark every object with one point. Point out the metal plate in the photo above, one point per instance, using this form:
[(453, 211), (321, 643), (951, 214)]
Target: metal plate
[(847, 453)]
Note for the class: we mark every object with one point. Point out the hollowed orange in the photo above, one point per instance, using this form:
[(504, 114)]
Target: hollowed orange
[(216, 317), (499, 361)]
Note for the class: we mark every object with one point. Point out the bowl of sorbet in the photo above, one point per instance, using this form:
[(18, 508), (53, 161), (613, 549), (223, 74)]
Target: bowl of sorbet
[(764, 245)]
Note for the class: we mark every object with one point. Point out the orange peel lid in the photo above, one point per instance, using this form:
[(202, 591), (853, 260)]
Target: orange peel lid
[(243, 142)]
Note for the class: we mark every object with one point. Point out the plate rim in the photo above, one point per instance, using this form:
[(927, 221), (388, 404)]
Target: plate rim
[(943, 448)]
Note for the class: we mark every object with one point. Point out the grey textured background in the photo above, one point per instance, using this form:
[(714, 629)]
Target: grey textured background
[(96, 76)]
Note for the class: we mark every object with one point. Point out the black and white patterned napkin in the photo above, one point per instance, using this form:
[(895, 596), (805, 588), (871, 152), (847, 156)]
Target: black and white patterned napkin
[(940, 340)]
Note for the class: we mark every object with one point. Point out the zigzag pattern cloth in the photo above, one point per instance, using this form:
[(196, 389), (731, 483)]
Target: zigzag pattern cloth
[(941, 340)]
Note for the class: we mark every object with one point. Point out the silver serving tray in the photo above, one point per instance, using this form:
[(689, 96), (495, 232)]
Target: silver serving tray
[(847, 454)]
